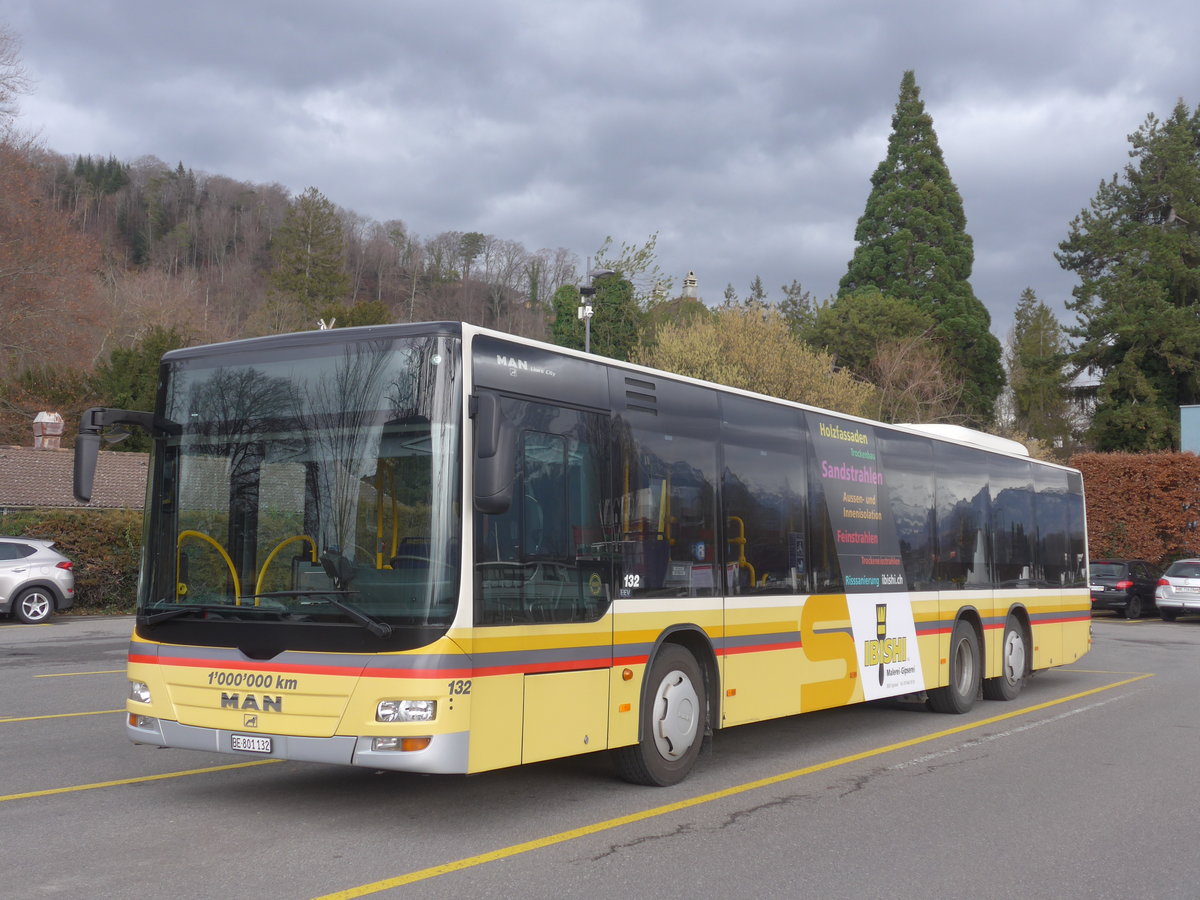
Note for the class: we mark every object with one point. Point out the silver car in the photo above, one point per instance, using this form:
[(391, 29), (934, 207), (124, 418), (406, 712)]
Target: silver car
[(34, 579), (1178, 591)]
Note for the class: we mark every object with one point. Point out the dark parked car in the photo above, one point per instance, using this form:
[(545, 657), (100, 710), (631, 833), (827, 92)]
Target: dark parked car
[(1126, 585), (34, 580)]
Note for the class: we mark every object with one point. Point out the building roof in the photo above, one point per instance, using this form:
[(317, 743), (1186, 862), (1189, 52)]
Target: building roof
[(45, 479)]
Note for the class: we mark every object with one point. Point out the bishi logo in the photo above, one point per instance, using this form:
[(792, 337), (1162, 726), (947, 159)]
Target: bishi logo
[(883, 649), (261, 703)]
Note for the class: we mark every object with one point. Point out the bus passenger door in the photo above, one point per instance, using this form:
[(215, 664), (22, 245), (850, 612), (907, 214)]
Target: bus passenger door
[(543, 581)]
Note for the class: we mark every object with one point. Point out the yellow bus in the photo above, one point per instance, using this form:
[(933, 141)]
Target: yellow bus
[(438, 548)]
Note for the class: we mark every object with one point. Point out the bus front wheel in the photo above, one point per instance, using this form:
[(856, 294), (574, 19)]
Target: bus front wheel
[(959, 695), (674, 719)]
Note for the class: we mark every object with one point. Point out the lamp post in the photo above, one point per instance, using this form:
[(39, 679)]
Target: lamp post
[(586, 311)]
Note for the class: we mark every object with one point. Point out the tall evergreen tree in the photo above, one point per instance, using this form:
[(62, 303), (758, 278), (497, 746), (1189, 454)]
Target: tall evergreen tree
[(307, 250), (757, 298), (913, 245), (797, 308), (1136, 251), (1037, 357)]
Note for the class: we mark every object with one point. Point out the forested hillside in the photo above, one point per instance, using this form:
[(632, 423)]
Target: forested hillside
[(108, 254)]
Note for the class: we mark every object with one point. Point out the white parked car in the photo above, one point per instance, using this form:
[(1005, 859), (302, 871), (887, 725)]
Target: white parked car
[(34, 579), (1178, 591)]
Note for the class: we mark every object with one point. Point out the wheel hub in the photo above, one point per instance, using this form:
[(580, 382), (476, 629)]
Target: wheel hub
[(1014, 657), (675, 715)]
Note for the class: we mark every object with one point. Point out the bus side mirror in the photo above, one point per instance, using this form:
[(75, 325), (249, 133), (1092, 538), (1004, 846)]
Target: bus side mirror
[(87, 443), (87, 451), (495, 455)]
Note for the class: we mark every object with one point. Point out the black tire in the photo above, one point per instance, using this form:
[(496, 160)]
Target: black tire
[(960, 694), (1014, 664), (1168, 615), (674, 720), (33, 605), (1133, 607)]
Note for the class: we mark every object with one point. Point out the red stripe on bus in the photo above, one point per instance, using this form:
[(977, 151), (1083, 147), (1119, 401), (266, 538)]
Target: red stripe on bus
[(356, 671), (760, 648)]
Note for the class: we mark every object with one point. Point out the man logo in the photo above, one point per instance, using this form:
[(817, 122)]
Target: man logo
[(250, 722)]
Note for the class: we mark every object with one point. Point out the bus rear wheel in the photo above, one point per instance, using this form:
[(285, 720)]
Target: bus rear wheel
[(674, 720), (959, 695), (1014, 664)]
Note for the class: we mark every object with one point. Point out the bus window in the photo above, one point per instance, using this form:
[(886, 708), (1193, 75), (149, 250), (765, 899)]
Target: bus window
[(762, 482), (908, 464), (1077, 531), (542, 559), (1013, 525), (1056, 551), (963, 506), (667, 515)]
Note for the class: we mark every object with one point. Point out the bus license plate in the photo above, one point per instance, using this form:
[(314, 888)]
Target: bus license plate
[(250, 742)]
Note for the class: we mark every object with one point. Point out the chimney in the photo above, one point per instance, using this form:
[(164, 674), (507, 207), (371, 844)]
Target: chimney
[(689, 285), (47, 431)]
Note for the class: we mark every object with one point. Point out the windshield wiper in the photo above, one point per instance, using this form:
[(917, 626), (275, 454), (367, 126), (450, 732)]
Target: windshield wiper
[(175, 612), (375, 626)]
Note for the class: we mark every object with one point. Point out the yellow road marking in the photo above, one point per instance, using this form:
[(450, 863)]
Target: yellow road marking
[(69, 674), (587, 830), (141, 779), (98, 712)]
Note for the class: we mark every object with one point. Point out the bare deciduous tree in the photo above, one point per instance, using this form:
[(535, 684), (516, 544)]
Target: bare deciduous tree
[(47, 274), (14, 81), (913, 382)]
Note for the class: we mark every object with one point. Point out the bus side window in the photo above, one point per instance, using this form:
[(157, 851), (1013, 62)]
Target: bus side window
[(908, 466), (667, 527), (531, 563), (763, 488), (963, 511)]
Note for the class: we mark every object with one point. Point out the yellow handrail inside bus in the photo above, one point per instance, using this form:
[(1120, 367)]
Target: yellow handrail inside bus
[(262, 574), (379, 520), (740, 543), (237, 586)]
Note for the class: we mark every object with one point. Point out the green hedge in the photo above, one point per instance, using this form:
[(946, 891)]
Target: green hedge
[(104, 544)]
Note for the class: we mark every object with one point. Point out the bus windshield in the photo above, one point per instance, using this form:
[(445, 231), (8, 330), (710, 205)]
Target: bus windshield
[(315, 487)]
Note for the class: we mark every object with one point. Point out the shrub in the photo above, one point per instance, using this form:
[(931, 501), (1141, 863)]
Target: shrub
[(1142, 505), (104, 545)]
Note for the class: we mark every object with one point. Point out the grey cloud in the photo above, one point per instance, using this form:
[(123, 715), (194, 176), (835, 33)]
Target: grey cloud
[(744, 134)]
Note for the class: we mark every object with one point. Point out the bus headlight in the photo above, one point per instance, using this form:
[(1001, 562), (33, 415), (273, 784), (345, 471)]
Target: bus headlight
[(139, 691), (406, 711)]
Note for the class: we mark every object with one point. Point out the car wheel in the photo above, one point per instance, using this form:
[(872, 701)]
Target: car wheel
[(959, 695), (1168, 615), (1133, 607), (33, 606), (1014, 664), (674, 719)]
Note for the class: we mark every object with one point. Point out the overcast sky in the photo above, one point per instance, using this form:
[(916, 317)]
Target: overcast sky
[(744, 133)]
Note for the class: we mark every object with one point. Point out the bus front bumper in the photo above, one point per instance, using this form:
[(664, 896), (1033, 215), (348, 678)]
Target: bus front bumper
[(446, 754)]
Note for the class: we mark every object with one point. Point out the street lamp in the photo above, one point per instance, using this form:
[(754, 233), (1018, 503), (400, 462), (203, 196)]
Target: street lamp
[(585, 312)]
